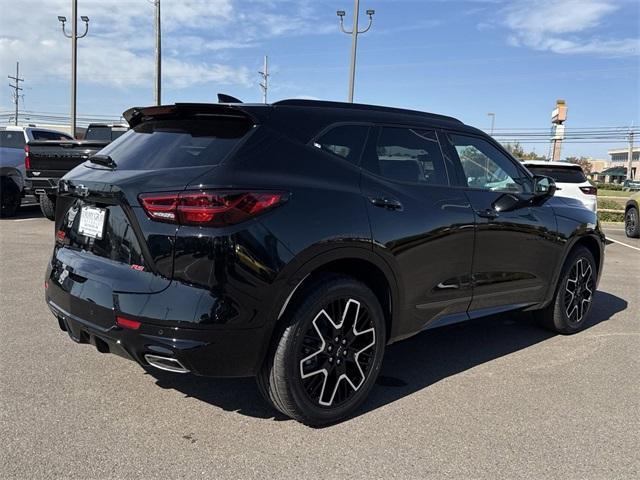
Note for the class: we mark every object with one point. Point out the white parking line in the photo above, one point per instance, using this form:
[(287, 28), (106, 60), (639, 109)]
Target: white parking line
[(24, 219), (621, 243)]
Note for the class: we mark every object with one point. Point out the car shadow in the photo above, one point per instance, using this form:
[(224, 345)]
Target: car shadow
[(409, 366), (26, 211)]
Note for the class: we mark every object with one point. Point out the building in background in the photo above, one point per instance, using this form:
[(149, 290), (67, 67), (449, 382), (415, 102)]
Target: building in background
[(620, 156)]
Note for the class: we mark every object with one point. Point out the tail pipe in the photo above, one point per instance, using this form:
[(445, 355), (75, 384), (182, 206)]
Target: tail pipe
[(165, 363)]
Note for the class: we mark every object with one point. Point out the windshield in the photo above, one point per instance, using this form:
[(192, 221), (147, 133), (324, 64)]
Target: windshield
[(174, 143)]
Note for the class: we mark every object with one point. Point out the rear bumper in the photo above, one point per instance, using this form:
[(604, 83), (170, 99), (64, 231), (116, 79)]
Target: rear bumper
[(207, 352), (41, 186)]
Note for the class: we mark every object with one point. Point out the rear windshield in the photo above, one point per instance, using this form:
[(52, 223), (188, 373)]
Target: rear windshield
[(174, 143), (559, 174), (11, 139)]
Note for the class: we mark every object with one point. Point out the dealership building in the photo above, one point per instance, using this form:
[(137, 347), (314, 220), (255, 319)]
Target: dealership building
[(620, 157)]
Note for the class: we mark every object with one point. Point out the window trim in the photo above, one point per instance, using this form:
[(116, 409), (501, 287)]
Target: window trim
[(372, 145), (460, 170)]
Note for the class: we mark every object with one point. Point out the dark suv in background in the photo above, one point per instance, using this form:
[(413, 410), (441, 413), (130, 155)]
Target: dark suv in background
[(293, 241)]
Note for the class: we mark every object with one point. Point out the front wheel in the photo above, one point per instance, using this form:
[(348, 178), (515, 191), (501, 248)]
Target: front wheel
[(328, 354), (576, 288), (9, 196), (632, 223)]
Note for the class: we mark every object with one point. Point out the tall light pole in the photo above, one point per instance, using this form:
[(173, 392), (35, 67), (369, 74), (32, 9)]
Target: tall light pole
[(354, 40), (630, 156), (74, 54), (158, 54), (265, 79), (493, 121)]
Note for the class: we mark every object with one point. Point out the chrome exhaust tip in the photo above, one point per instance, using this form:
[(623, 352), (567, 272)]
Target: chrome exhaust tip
[(165, 363)]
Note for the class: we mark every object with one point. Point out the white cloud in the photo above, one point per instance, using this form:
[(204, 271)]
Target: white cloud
[(565, 27), (119, 50)]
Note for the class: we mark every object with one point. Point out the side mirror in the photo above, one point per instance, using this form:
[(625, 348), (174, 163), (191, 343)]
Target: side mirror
[(543, 187)]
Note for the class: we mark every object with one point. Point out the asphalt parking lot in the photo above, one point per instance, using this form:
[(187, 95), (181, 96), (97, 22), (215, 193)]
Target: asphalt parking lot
[(495, 398)]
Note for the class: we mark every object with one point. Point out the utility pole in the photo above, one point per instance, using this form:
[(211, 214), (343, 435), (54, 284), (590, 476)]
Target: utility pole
[(16, 89), (354, 40), (630, 156), (493, 121), (74, 54), (158, 54), (265, 79)]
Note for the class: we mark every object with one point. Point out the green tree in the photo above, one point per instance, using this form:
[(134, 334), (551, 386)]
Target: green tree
[(517, 151), (582, 161)]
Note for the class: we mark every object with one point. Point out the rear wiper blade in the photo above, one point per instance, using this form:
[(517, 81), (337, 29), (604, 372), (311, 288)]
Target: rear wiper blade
[(105, 160)]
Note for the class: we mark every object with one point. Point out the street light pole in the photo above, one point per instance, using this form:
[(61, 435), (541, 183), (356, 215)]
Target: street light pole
[(158, 54), (74, 54), (354, 40), (493, 121)]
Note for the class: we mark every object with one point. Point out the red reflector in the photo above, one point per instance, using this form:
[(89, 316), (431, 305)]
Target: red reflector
[(27, 158), (127, 323), (60, 235), (589, 190), (209, 208)]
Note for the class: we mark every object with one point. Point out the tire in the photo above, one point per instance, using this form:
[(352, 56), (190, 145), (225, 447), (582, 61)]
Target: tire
[(10, 197), (632, 223), (574, 294), (48, 206), (321, 365)]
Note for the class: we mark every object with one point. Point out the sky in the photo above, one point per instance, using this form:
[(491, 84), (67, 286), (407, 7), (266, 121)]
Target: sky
[(454, 57)]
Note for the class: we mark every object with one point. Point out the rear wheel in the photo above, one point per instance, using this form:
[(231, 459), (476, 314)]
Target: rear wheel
[(328, 354), (568, 311), (632, 223), (10, 197), (48, 206)]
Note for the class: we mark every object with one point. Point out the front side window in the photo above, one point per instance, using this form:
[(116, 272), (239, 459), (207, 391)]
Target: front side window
[(345, 141), (485, 167), (409, 155)]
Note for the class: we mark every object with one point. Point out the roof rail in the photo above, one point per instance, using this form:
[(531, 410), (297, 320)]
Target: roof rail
[(361, 106)]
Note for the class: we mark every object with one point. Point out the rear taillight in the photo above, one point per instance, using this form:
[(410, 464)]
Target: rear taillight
[(589, 190), (209, 208), (27, 158)]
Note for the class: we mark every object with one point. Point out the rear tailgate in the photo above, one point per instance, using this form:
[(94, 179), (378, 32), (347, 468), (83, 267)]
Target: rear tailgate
[(53, 158), (124, 250)]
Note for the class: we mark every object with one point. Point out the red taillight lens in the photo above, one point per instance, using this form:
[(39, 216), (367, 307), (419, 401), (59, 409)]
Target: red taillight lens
[(209, 208), (27, 158), (589, 190), (127, 323)]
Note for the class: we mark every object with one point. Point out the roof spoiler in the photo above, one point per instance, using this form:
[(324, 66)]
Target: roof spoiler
[(224, 98), (136, 115)]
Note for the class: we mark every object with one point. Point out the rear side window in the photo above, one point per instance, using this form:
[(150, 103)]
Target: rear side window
[(409, 155), (42, 135), (102, 134), (11, 139), (559, 174), (346, 141), (174, 143)]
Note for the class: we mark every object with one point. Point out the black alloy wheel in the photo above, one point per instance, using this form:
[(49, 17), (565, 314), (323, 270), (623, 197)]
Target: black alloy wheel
[(328, 352), (337, 352), (579, 290)]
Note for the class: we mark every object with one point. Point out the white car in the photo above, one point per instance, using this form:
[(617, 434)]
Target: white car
[(570, 180)]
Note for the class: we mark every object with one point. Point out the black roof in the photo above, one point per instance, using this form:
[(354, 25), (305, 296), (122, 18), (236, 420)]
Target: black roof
[(298, 117)]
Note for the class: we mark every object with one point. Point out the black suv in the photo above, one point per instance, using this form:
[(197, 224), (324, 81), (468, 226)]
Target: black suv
[(293, 241)]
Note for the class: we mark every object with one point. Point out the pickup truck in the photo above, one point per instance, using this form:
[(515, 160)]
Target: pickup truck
[(12, 162), (47, 161)]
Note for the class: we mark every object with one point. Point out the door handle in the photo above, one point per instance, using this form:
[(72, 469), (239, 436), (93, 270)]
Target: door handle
[(489, 213), (386, 202)]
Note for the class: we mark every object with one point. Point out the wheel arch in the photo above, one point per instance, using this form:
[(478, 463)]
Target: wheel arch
[(359, 263)]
